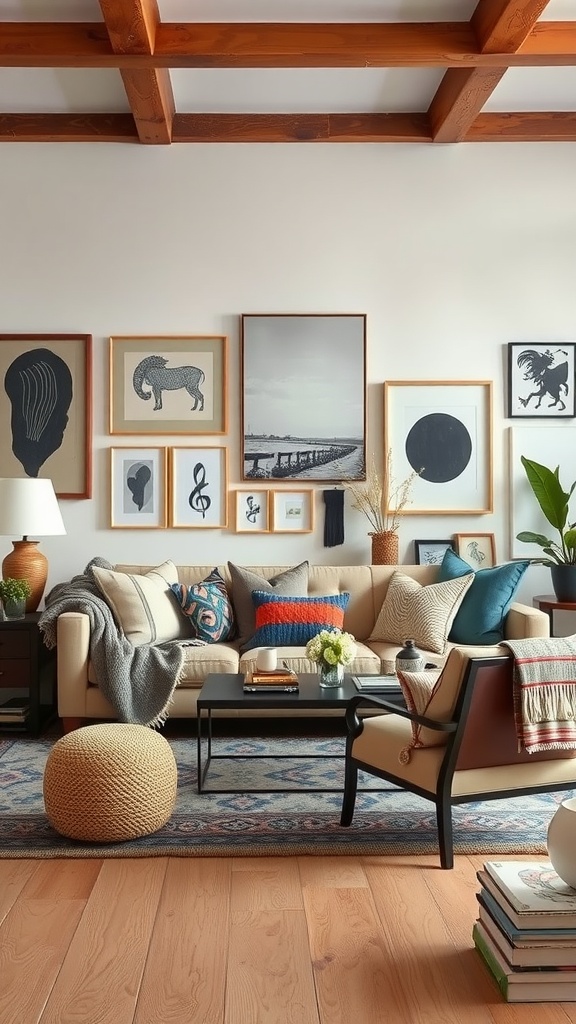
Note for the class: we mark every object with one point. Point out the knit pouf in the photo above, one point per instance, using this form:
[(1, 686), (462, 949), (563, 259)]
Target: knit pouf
[(109, 783)]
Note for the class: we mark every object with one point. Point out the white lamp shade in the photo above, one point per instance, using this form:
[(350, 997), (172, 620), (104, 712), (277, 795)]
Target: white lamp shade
[(28, 507)]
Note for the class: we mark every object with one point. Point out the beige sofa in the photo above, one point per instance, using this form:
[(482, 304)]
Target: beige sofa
[(79, 697)]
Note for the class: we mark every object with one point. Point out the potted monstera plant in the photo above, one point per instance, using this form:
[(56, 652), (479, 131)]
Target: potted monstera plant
[(560, 552)]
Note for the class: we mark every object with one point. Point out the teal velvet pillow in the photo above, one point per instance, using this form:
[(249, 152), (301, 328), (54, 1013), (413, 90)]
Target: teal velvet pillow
[(480, 618)]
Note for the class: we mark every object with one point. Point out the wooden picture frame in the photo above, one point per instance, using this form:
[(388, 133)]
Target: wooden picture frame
[(168, 385), (46, 415), (478, 549), (251, 511), (138, 493), (550, 446), (444, 429), (293, 511), (303, 396), (542, 380), (198, 487), (431, 552)]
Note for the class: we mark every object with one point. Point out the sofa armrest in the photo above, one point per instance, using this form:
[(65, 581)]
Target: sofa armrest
[(73, 653), (522, 621)]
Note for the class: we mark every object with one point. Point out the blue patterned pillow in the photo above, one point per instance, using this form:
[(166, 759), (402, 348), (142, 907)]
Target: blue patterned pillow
[(208, 608), (293, 621)]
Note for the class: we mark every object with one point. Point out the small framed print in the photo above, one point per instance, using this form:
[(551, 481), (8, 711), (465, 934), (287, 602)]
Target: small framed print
[(198, 487), (430, 552), (292, 511), (541, 380), (138, 488), (252, 511), (168, 385), (478, 549)]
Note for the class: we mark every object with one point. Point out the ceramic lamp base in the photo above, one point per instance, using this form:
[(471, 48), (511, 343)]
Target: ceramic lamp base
[(26, 562)]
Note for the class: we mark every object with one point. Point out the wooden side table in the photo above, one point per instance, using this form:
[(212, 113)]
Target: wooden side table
[(28, 667), (549, 603)]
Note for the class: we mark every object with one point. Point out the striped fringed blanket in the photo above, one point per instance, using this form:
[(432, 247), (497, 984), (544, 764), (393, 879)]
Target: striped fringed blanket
[(545, 693)]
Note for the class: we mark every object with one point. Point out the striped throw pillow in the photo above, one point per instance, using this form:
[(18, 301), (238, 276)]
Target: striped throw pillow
[(293, 621)]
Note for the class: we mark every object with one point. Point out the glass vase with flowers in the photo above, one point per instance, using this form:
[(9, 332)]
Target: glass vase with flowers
[(332, 649)]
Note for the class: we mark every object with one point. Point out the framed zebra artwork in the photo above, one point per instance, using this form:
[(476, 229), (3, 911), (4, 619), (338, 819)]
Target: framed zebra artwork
[(168, 385)]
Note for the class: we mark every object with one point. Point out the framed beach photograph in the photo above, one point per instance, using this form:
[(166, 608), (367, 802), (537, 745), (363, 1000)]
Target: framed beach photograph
[(430, 552), (443, 431), (293, 511), (541, 380), (46, 412), (168, 385), (478, 549), (198, 488), (303, 396), (138, 493), (251, 511)]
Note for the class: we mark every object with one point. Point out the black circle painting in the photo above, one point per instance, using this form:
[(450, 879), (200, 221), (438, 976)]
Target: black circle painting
[(439, 446)]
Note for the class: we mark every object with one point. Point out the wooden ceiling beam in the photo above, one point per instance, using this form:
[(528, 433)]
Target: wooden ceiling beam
[(446, 44), (500, 25), (132, 26), (524, 127), (67, 128), (301, 128)]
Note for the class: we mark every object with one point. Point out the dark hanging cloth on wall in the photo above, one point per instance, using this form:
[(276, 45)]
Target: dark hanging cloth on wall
[(333, 518)]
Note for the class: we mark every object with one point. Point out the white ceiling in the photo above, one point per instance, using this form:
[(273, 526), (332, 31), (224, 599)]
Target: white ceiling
[(277, 90)]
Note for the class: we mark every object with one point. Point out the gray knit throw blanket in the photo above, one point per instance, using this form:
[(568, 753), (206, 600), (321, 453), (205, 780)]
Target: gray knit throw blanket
[(138, 681)]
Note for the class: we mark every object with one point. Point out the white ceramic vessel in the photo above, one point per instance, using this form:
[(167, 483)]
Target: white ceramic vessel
[(562, 841)]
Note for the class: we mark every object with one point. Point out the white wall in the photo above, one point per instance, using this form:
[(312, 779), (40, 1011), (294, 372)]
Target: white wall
[(451, 251)]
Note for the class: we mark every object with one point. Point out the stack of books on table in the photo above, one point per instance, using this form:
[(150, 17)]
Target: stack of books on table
[(526, 931), (279, 680), (14, 711), (384, 686)]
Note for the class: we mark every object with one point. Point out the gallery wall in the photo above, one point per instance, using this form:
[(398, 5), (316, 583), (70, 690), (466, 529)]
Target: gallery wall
[(452, 252)]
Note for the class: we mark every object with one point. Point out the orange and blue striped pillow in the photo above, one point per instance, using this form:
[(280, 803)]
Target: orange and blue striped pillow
[(293, 621)]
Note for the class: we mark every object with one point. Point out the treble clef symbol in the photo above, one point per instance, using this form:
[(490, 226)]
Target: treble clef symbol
[(252, 509), (199, 502)]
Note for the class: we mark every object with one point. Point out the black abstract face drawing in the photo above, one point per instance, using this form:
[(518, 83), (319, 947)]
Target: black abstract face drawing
[(39, 386)]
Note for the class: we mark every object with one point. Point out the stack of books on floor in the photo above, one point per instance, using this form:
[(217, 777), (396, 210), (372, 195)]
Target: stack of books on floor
[(279, 680), (526, 931), (14, 711)]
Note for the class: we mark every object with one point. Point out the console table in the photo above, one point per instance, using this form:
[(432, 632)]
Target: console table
[(549, 603)]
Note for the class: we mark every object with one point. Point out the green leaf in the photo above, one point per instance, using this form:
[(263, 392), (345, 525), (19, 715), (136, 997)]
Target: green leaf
[(548, 492), (527, 537)]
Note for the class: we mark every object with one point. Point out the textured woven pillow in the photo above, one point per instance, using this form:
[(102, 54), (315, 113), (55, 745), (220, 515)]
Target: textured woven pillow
[(480, 618), (144, 606), (418, 688), (424, 613), (293, 621), (291, 583), (208, 608)]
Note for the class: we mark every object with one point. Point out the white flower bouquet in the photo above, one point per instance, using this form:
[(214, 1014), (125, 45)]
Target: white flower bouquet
[(331, 647)]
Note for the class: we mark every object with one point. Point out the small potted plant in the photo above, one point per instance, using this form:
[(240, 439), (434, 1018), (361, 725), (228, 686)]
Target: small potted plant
[(383, 500), (561, 553), (14, 594)]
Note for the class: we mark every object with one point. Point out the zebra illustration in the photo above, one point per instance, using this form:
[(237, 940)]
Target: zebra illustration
[(154, 372)]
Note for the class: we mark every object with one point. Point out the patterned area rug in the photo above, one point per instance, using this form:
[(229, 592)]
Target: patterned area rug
[(244, 823)]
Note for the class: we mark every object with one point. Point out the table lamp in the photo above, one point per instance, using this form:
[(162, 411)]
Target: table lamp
[(28, 506)]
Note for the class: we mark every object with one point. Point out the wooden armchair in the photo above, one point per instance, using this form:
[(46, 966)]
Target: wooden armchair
[(469, 745)]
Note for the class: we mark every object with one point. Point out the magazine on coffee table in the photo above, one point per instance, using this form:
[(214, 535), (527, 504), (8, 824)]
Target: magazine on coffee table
[(387, 684)]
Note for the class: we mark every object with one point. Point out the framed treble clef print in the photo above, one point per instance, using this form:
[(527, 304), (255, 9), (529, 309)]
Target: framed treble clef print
[(198, 488)]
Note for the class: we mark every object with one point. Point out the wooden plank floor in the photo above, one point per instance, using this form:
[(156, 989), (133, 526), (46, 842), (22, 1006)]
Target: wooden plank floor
[(307, 940)]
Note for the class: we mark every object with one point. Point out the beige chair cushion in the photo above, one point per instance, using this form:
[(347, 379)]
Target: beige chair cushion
[(144, 606), (424, 613)]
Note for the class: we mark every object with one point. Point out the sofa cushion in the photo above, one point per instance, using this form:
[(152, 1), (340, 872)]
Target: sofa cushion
[(207, 607), (424, 613), (481, 616), (292, 621), (144, 606), (290, 583)]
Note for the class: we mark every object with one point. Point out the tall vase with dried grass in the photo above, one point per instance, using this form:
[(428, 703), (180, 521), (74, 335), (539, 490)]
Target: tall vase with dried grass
[(382, 500)]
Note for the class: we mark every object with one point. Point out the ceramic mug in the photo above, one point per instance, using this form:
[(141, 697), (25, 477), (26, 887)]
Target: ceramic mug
[(267, 659)]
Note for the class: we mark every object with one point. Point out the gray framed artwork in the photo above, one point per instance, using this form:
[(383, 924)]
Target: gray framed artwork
[(46, 415), (303, 396)]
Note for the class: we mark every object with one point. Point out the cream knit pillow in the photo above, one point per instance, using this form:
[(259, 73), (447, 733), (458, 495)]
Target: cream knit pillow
[(144, 606), (424, 613)]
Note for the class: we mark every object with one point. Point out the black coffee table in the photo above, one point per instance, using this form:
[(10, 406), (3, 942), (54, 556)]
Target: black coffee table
[(223, 692)]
